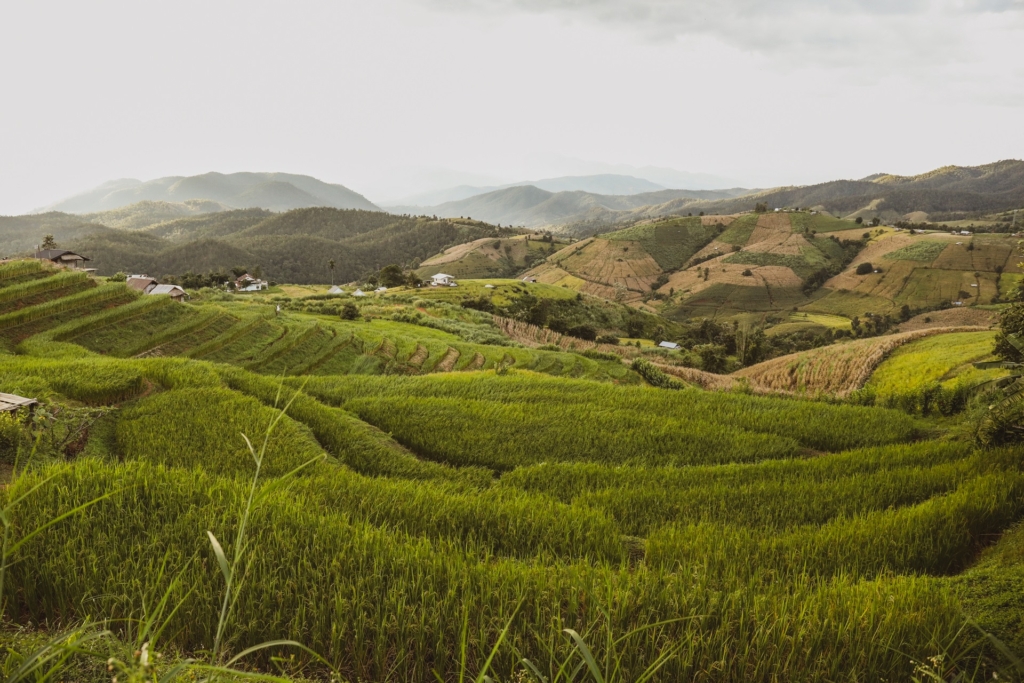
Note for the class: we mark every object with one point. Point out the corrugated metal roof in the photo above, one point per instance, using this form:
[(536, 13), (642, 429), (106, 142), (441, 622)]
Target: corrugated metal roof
[(10, 402)]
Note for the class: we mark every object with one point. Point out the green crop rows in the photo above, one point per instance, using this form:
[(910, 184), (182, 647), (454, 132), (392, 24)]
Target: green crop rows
[(442, 482)]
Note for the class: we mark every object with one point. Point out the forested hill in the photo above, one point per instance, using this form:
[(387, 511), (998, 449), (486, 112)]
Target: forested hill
[(294, 246), (275, 191)]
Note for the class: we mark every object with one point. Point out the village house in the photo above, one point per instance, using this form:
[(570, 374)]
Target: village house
[(359, 292), (668, 345), (442, 280), (248, 283), (335, 290), (141, 283), (62, 257), (174, 291)]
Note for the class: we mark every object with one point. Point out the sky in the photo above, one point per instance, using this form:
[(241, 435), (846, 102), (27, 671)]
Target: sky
[(396, 97)]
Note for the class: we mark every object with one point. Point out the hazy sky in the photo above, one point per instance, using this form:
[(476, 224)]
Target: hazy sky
[(390, 97)]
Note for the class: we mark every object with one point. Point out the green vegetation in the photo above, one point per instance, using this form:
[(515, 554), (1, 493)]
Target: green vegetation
[(670, 242), (739, 231), (925, 250), (425, 492)]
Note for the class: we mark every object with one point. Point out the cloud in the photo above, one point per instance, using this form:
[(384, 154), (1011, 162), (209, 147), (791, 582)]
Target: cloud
[(835, 32)]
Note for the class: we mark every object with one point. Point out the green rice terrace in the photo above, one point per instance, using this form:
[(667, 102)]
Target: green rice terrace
[(419, 497)]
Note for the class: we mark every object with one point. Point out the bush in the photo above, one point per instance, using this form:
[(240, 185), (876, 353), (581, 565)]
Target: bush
[(865, 268), (586, 332), (608, 339), (349, 311), (747, 273), (10, 438)]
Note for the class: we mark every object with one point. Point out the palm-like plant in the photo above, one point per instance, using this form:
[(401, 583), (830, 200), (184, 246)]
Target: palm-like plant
[(1004, 422)]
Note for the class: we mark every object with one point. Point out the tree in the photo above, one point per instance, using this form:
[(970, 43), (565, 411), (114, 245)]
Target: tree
[(349, 311), (864, 268), (875, 221), (48, 243), (760, 207), (859, 220), (392, 276), (330, 264)]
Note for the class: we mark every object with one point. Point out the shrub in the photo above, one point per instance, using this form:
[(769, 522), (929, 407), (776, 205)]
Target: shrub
[(11, 436), (349, 311), (864, 268), (747, 273)]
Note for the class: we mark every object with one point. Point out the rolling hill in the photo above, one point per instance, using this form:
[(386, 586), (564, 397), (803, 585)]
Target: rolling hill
[(274, 191), (948, 193), (583, 212), (795, 269), (294, 246)]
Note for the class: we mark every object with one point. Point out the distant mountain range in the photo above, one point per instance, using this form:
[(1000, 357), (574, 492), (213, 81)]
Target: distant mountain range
[(947, 193), (273, 191), (533, 207), (606, 183)]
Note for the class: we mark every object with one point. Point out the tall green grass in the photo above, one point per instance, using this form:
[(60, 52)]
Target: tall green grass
[(384, 606)]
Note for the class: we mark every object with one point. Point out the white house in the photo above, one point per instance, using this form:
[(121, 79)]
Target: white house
[(380, 290), (247, 283), (488, 286), (965, 232), (335, 290), (359, 292), (668, 345), (442, 279)]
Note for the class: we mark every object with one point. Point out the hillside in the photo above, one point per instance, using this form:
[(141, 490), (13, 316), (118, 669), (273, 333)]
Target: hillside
[(533, 207), (429, 479), (295, 246), (274, 191), (944, 194), (489, 258)]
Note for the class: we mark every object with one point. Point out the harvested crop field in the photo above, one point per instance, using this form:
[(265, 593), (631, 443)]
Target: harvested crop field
[(772, 227), (834, 370), (614, 261), (988, 255)]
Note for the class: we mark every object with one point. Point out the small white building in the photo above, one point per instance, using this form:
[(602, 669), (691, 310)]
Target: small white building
[(359, 292), (335, 290), (248, 283), (442, 280), (668, 345), (488, 286), (965, 232), (380, 290)]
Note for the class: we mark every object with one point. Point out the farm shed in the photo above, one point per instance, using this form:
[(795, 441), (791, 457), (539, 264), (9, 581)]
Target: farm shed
[(335, 290), (10, 403), (174, 291), (668, 345), (62, 257)]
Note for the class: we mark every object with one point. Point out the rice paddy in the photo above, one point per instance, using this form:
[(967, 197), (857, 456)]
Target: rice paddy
[(446, 489)]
